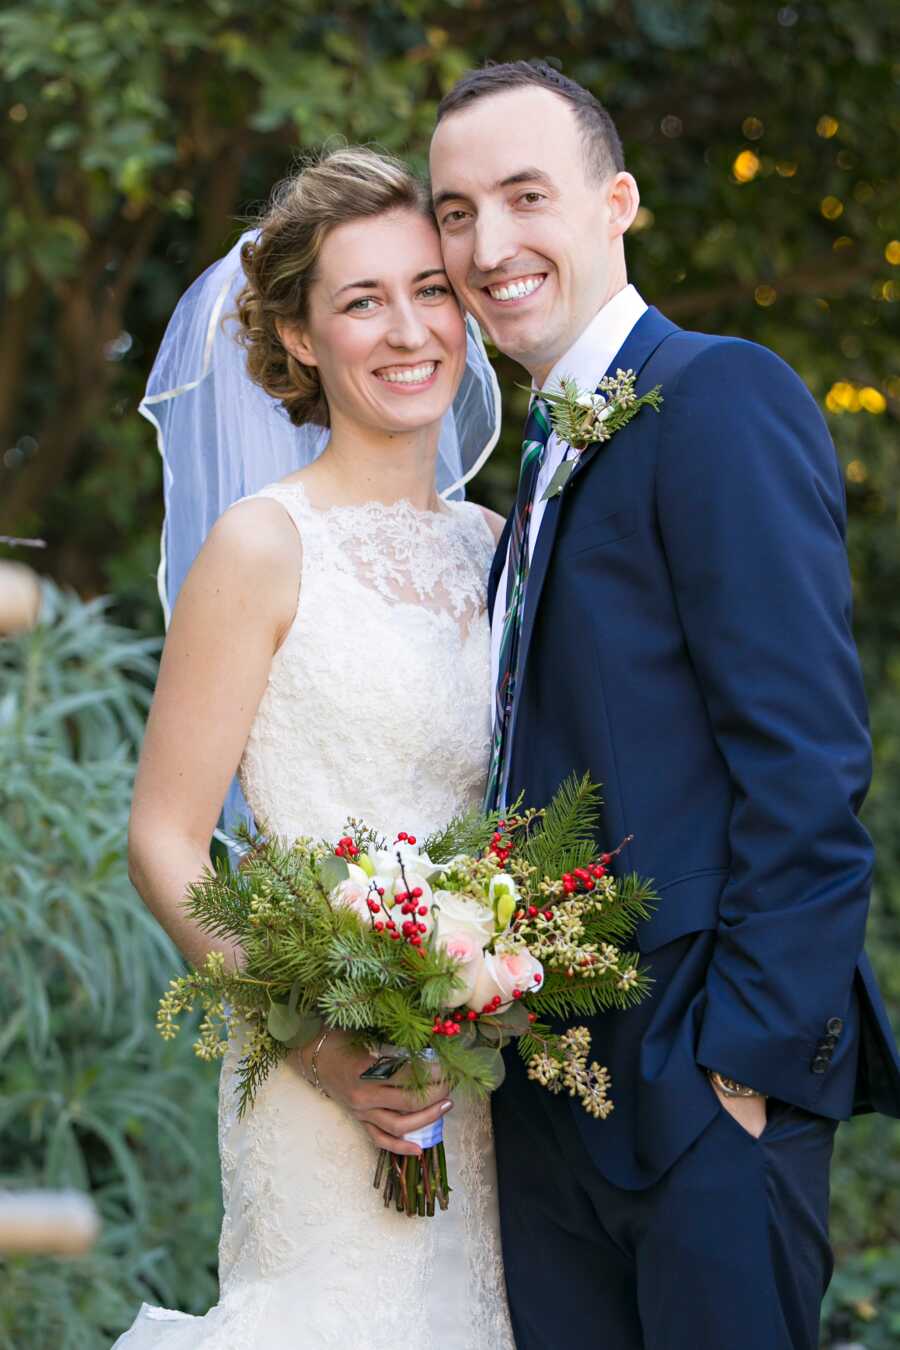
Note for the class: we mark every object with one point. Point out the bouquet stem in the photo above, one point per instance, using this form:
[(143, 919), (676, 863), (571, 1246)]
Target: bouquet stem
[(413, 1184)]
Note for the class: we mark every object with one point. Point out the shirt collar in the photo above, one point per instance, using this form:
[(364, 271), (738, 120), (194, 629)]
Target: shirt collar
[(589, 357)]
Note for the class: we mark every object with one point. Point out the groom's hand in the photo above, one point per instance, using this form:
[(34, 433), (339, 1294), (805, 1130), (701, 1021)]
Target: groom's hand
[(387, 1110), (749, 1112)]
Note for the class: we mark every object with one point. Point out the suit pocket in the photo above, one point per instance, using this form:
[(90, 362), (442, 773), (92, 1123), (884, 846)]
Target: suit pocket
[(688, 904), (606, 530)]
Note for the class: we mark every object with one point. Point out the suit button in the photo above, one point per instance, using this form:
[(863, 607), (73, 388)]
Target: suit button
[(819, 1064), (829, 1042), (834, 1026)]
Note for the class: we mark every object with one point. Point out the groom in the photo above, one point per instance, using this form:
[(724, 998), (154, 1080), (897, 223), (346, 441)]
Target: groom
[(683, 635)]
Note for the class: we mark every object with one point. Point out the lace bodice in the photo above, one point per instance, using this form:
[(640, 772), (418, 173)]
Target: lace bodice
[(378, 698)]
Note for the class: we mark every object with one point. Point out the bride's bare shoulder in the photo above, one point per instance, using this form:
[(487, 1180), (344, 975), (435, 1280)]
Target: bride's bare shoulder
[(251, 560), (256, 533)]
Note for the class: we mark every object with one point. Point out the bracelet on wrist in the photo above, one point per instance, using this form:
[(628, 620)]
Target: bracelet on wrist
[(313, 1076)]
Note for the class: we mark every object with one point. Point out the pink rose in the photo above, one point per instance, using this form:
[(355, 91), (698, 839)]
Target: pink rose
[(466, 950), (503, 972), (355, 895)]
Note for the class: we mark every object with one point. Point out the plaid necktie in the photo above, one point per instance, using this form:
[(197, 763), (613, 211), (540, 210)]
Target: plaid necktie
[(534, 447)]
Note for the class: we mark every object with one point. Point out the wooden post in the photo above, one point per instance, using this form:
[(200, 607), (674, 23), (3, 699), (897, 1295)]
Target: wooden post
[(55, 1223)]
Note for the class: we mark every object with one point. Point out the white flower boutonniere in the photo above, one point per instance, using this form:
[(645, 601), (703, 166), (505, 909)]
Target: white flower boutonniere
[(582, 419)]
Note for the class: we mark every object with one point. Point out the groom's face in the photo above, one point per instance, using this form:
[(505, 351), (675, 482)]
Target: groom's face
[(528, 231)]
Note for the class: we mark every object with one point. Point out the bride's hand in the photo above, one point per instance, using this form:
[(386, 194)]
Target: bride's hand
[(387, 1110)]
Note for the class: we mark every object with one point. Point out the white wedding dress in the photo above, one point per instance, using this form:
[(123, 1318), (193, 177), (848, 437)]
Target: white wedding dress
[(377, 706)]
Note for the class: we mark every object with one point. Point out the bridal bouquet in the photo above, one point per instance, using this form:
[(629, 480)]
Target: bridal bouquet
[(431, 954)]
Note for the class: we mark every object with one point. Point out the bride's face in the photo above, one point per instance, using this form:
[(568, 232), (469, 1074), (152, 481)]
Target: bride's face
[(384, 329)]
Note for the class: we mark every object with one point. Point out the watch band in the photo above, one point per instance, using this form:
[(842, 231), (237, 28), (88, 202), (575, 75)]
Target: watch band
[(729, 1088)]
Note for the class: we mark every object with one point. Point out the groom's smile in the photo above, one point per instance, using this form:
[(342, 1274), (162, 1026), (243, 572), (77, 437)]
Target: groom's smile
[(514, 291)]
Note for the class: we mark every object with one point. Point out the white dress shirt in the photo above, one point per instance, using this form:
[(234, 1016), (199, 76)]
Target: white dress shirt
[(586, 362)]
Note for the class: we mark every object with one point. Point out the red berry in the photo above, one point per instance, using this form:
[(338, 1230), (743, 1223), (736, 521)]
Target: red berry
[(606, 858), (379, 927), (548, 913), (422, 911), (374, 907), (532, 911), (410, 838), (502, 824), (415, 940), (423, 927), (538, 979), (457, 1017), (488, 1008), (517, 993), (395, 936), (472, 1015), (417, 892), (532, 1017), (380, 890), (402, 836)]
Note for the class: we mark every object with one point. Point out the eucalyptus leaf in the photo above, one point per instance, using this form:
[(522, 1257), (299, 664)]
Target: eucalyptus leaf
[(332, 871), (493, 1070), (513, 1020), (559, 479), (490, 1033), (310, 1026), (282, 1023)]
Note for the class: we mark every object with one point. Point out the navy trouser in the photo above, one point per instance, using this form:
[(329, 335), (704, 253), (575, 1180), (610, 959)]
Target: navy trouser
[(729, 1250)]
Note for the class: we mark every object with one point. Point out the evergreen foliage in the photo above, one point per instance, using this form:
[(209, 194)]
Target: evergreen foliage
[(91, 1097)]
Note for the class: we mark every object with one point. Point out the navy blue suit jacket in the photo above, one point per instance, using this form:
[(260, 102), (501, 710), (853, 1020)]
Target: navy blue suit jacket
[(687, 640)]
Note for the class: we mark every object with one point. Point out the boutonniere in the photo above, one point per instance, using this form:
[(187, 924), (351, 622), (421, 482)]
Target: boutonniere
[(582, 419)]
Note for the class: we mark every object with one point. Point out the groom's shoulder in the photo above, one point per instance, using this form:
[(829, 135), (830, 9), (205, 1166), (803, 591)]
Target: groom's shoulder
[(723, 366)]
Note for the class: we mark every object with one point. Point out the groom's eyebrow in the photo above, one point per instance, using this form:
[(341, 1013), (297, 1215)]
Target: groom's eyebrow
[(371, 285), (530, 174)]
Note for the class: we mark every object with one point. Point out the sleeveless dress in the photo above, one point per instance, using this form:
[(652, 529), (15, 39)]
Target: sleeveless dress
[(377, 706)]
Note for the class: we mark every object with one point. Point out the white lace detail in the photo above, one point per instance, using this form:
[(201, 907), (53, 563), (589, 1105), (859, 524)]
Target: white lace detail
[(377, 705)]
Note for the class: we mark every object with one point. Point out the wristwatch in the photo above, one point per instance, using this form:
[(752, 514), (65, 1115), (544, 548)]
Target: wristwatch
[(729, 1088)]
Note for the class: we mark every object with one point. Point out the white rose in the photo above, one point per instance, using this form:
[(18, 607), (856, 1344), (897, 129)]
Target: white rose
[(502, 972), (457, 915), (466, 951), (387, 863)]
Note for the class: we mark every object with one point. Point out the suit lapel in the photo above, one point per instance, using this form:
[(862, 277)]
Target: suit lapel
[(643, 340)]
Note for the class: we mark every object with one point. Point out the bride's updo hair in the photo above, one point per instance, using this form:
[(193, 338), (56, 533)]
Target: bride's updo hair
[(280, 265)]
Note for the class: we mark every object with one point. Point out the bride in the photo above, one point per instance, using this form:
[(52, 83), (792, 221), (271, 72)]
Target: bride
[(330, 642)]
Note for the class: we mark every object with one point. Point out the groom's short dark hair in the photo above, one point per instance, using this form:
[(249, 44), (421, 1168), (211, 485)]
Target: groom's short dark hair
[(603, 147)]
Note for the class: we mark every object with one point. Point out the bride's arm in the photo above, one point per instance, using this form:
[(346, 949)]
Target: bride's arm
[(234, 608)]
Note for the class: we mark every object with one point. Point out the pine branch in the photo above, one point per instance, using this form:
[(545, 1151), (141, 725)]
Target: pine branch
[(402, 1023), (348, 1004), (567, 837), (469, 833)]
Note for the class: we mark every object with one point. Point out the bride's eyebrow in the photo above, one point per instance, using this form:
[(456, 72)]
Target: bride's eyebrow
[(371, 285)]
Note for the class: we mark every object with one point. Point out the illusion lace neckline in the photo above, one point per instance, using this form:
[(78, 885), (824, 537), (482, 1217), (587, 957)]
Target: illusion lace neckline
[(402, 507)]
